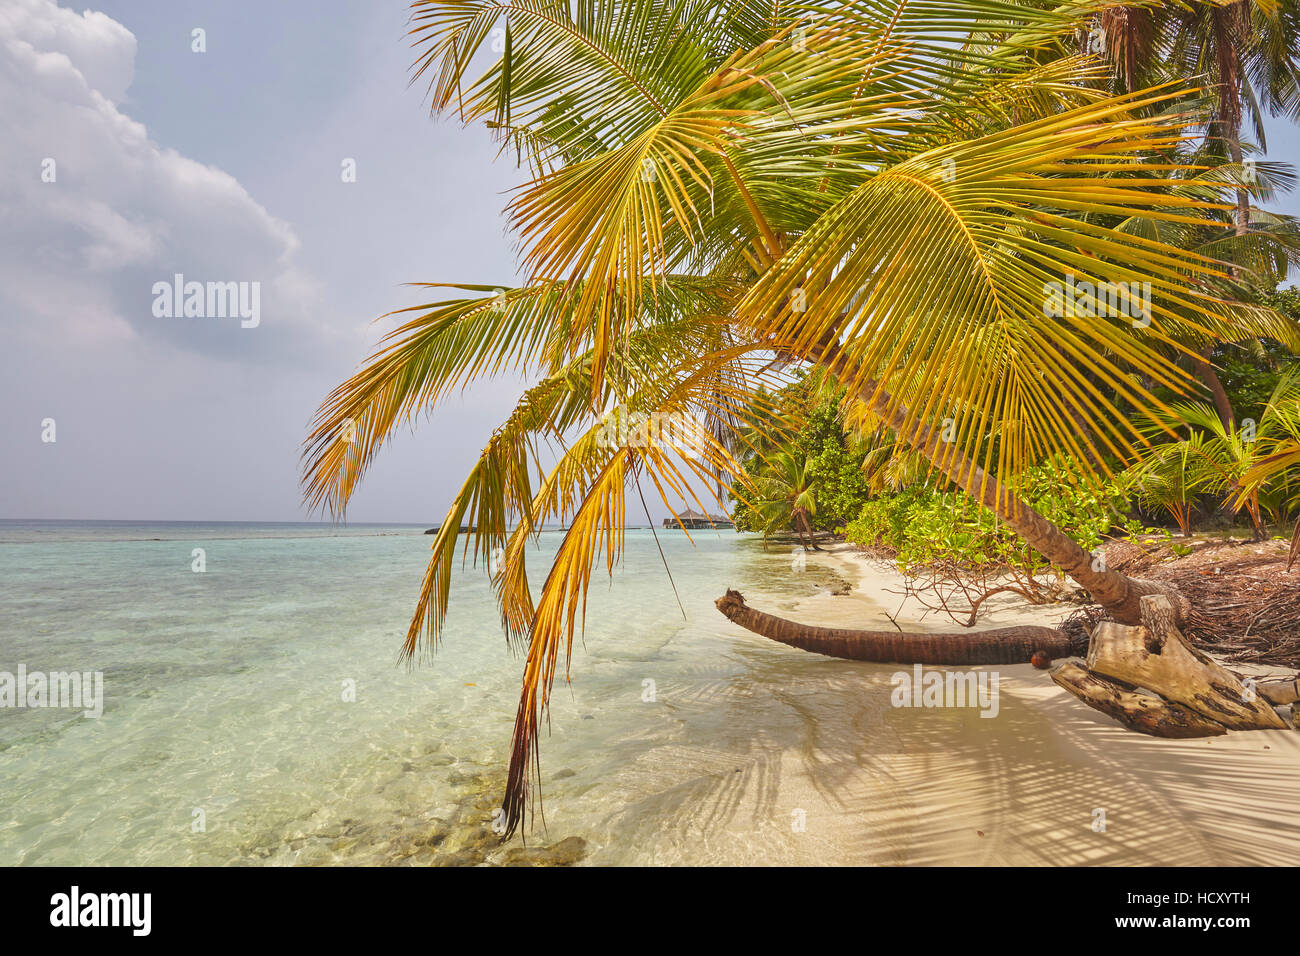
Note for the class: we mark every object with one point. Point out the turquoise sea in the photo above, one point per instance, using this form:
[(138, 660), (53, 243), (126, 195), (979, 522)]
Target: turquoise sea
[(226, 737)]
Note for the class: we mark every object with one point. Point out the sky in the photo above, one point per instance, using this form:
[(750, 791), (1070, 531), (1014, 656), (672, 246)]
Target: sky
[(127, 156), (223, 165)]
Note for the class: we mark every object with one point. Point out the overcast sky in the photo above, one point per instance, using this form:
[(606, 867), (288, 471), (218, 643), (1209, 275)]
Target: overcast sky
[(226, 165)]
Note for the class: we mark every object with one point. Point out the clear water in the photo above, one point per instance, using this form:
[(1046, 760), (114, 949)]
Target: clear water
[(225, 705), (226, 738)]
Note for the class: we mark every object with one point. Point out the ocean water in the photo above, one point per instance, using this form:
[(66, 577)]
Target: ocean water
[(227, 736)]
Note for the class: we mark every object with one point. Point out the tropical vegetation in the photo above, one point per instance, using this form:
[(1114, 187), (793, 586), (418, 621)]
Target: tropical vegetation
[(1000, 238)]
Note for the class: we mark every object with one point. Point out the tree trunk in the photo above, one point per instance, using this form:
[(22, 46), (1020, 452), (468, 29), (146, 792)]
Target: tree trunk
[(1000, 645), (1187, 694), (1197, 697), (1256, 517), (1136, 711), (1242, 215), (1280, 690), (805, 528), (1117, 593), (1157, 656), (1241, 221), (1210, 379)]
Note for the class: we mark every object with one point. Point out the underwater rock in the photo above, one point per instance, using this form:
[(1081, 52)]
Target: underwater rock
[(460, 858), (565, 853)]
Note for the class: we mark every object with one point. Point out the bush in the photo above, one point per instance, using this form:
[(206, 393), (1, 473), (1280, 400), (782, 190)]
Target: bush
[(925, 526)]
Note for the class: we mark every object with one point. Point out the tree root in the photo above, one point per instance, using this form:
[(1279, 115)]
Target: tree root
[(1141, 712), (1197, 697)]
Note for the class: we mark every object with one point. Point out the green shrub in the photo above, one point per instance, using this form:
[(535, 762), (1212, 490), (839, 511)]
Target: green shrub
[(926, 526)]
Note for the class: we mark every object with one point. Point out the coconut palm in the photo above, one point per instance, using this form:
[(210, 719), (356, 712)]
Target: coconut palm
[(1172, 477), (1285, 460), (1215, 460), (1219, 459), (889, 465), (1277, 463), (724, 190), (784, 498), (1247, 53)]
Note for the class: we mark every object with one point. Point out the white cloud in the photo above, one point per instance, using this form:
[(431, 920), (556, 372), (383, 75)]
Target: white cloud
[(81, 253), (102, 50)]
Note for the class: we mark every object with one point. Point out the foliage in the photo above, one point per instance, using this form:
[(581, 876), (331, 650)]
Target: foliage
[(831, 461), (834, 468), (1252, 370), (883, 189), (783, 498), (1213, 460), (925, 525)]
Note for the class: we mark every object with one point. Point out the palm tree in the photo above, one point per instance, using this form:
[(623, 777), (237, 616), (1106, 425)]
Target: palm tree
[(1285, 458), (1246, 51), (1215, 460), (1171, 477), (1247, 54), (891, 465), (1277, 462), (723, 189), (784, 498)]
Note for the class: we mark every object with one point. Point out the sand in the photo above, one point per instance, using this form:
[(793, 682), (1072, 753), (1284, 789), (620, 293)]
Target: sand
[(858, 781)]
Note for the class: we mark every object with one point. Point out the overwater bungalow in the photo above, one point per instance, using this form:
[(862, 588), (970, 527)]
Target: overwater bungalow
[(690, 520)]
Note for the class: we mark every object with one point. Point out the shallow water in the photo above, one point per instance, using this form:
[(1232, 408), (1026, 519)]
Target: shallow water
[(226, 736), (225, 706)]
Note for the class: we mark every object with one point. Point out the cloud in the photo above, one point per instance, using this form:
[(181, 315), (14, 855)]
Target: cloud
[(101, 48), (96, 213)]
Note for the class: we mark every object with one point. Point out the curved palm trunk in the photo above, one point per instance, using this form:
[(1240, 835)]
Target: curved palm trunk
[(807, 536), (1001, 645), (1119, 594)]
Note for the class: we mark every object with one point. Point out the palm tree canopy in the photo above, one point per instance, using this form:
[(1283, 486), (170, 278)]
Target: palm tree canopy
[(892, 189)]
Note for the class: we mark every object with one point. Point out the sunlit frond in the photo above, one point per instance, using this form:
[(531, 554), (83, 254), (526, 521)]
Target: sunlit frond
[(932, 204)]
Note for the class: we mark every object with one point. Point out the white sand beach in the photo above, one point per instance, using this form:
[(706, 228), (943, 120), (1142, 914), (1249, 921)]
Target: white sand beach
[(874, 784)]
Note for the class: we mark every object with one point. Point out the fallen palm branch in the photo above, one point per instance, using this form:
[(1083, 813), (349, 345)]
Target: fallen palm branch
[(1246, 606)]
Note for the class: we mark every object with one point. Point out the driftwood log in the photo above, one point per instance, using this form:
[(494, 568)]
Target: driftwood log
[(1196, 697), (1145, 713), (1280, 690), (1000, 645)]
